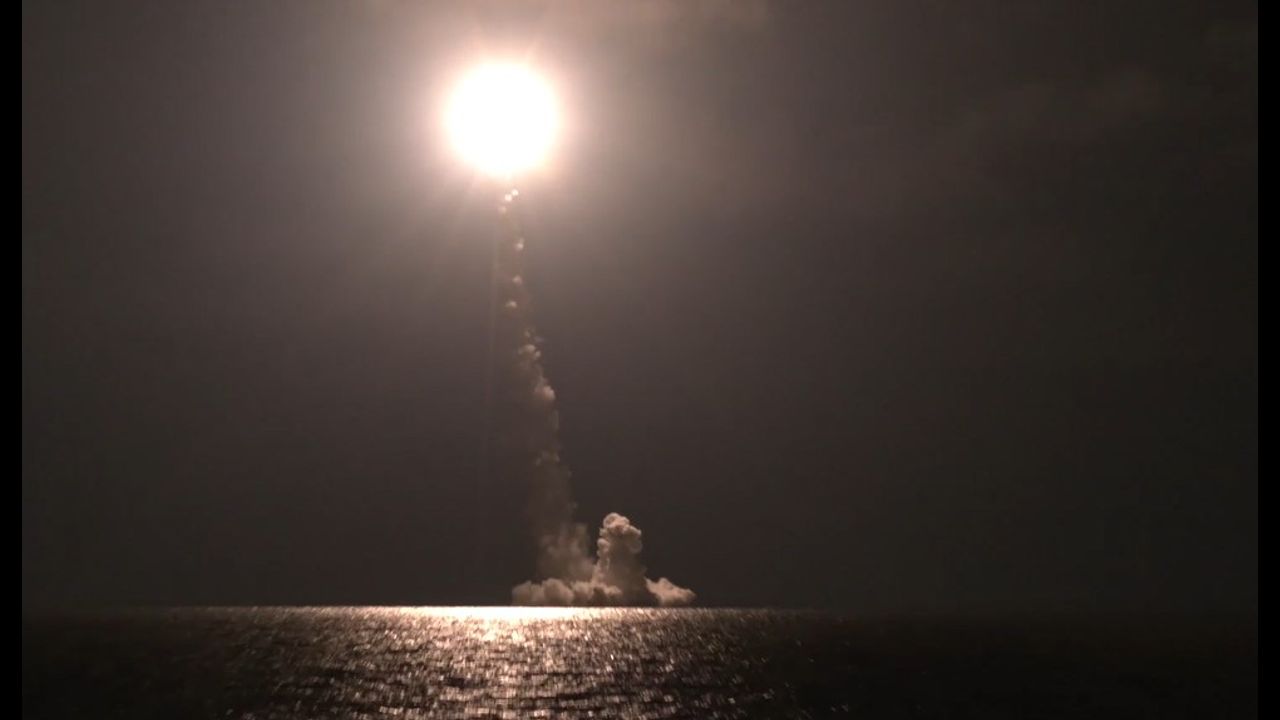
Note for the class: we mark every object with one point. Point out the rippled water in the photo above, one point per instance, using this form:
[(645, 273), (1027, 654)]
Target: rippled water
[(610, 663)]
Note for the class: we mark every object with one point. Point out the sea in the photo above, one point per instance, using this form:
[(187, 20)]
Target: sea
[(497, 662)]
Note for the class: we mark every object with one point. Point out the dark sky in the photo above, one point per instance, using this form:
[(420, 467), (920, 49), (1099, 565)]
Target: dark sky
[(882, 305)]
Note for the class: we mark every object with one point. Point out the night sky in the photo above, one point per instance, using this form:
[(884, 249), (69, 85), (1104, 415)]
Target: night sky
[(890, 306)]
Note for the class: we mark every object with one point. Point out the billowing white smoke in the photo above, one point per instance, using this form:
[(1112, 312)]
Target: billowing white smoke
[(567, 574), (616, 577)]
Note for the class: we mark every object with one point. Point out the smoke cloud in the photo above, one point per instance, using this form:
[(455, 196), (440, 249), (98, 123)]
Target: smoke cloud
[(616, 577), (567, 573)]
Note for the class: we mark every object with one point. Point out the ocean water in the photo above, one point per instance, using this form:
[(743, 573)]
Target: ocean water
[(621, 663)]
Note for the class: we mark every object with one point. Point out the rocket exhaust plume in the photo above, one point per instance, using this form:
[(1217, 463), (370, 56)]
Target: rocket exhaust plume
[(567, 573)]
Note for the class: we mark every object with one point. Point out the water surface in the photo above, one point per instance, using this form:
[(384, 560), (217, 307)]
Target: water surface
[(297, 663)]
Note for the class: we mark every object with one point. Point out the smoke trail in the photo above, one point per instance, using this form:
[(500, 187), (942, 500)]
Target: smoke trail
[(567, 574)]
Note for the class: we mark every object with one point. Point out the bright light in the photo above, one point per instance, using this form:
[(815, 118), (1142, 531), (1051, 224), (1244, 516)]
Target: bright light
[(502, 119)]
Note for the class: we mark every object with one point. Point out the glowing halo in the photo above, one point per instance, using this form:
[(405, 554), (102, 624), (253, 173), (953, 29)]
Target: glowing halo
[(502, 119)]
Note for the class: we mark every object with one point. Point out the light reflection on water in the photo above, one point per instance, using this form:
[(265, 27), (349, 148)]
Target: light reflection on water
[(501, 662)]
